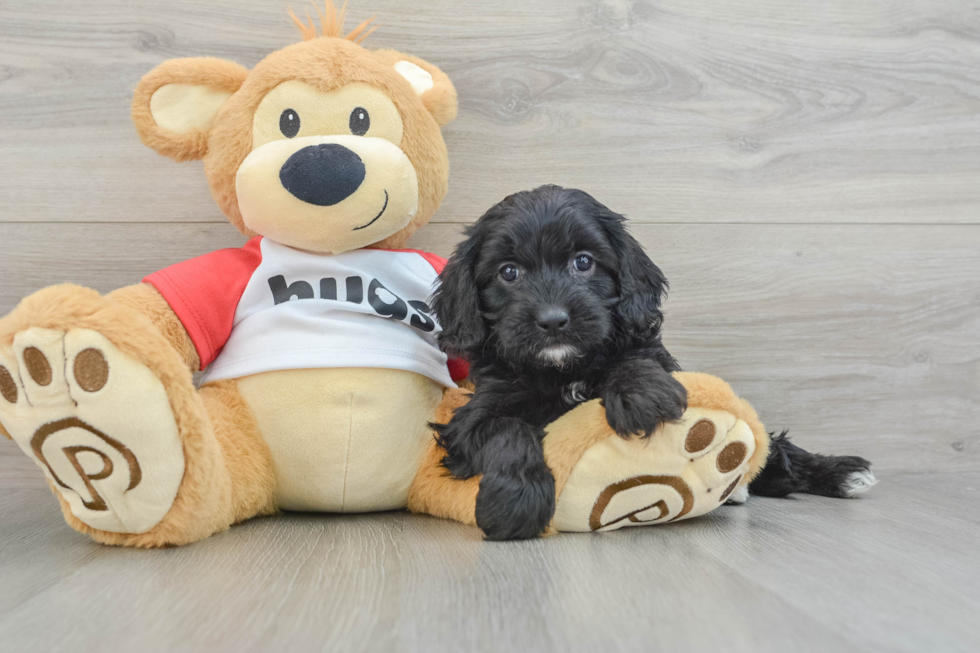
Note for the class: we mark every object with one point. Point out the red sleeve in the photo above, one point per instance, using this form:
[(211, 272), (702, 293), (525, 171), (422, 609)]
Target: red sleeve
[(204, 293), (436, 261), (459, 368)]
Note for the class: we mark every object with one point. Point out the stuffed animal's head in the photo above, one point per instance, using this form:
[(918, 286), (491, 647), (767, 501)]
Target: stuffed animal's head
[(324, 145)]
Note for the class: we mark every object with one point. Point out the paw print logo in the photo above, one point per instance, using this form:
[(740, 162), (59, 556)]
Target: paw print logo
[(71, 453), (653, 512), (98, 422), (686, 469)]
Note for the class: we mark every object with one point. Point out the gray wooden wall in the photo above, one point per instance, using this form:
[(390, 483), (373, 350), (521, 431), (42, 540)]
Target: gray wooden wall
[(806, 173)]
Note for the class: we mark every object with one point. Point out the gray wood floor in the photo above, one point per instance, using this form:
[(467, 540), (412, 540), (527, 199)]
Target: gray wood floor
[(889, 572), (806, 174)]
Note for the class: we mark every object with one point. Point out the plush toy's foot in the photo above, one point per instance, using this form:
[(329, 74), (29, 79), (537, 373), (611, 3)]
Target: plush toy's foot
[(97, 422), (92, 391), (686, 469), (603, 482)]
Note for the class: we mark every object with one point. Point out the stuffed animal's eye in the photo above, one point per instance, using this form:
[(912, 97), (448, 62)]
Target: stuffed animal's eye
[(360, 121), (509, 273), (289, 123), (583, 262)]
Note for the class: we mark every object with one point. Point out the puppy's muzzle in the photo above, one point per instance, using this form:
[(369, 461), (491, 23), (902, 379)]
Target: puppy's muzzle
[(323, 175)]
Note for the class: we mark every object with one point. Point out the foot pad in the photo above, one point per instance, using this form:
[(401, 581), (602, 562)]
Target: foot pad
[(684, 470), (97, 422)]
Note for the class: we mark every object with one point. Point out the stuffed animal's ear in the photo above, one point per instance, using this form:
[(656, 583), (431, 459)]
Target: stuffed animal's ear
[(642, 286), (456, 302), (431, 84), (175, 104)]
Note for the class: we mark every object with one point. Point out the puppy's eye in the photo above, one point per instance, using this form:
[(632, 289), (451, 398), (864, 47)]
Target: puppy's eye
[(509, 273), (583, 262), (360, 121), (289, 123)]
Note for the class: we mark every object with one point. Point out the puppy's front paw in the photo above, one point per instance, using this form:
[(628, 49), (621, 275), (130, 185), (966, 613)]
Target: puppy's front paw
[(516, 507), (638, 405), (459, 466), (459, 458)]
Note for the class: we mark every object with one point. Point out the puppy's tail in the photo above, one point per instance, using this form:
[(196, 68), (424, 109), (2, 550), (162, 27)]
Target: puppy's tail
[(790, 468)]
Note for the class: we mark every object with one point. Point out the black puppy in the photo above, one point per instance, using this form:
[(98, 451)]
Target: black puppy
[(554, 304)]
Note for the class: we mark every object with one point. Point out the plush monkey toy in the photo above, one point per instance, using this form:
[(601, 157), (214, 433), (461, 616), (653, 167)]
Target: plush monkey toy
[(321, 369)]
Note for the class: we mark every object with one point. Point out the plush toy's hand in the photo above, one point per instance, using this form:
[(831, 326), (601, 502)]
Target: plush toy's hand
[(639, 396)]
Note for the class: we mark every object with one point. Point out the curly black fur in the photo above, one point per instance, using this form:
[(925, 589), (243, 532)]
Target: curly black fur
[(546, 341), (791, 469)]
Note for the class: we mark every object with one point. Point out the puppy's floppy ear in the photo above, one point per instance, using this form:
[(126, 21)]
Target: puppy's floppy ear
[(642, 286), (456, 302)]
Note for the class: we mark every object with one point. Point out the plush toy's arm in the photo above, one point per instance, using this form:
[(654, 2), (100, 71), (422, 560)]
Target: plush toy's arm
[(435, 491), (147, 300), (199, 300)]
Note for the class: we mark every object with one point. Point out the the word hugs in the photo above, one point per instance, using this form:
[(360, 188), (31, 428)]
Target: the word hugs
[(384, 302)]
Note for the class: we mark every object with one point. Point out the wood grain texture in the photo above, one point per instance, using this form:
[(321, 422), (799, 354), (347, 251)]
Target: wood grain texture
[(673, 111), (860, 339), (811, 573), (806, 175)]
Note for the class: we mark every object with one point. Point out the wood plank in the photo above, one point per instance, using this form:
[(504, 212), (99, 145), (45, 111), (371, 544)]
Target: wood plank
[(880, 566), (39, 550), (17, 471), (860, 339), (859, 111), (103, 256), (827, 575)]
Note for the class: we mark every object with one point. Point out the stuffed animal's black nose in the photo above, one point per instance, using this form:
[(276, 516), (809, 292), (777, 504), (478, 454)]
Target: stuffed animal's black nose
[(552, 320), (324, 174)]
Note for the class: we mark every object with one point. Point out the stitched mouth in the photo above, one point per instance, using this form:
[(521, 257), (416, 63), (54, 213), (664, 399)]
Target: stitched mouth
[(365, 226)]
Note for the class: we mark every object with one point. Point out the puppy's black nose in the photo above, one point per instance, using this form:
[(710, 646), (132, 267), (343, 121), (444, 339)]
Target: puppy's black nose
[(324, 174), (552, 320)]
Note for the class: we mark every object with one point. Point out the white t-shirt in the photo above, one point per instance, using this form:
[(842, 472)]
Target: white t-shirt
[(294, 309)]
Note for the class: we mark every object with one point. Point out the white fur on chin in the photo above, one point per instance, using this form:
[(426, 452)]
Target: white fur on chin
[(558, 355)]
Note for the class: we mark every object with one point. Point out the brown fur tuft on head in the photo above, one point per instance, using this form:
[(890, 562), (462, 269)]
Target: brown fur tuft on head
[(331, 23)]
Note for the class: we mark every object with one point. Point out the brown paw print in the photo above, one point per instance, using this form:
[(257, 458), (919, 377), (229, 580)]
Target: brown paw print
[(97, 422)]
